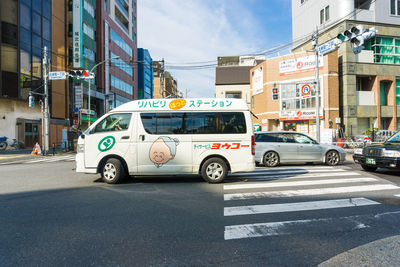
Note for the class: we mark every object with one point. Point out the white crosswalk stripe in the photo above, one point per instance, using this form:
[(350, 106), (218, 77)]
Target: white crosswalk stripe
[(280, 184), (42, 160)]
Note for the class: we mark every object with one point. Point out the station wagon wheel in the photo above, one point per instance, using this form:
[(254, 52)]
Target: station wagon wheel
[(332, 158), (214, 170), (271, 159), (113, 172)]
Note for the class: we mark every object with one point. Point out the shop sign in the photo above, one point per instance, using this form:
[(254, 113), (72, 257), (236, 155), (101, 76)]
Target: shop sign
[(299, 65), (86, 111), (76, 33), (299, 115)]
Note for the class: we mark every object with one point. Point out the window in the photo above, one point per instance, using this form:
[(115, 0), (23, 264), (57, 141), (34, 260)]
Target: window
[(25, 17), (194, 123), (46, 29), (321, 16), (89, 54), (88, 30), (398, 91), (114, 122), (395, 7), (302, 139), (285, 138), (123, 6), (121, 85), (121, 64), (88, 7), (266, 138), (327, 13), (292, 98), (120, 42), (36, 25), (386, 49), (121, 20), (233, 95)]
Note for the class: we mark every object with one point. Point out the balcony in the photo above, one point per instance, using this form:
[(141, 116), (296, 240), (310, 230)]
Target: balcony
[(365, 98)]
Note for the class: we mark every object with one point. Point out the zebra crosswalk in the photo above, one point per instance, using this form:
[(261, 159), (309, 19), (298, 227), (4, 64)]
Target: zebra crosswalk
[(41, 160), (297, 192)]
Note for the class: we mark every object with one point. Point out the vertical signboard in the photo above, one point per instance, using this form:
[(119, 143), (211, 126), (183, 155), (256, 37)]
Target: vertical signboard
[(78, 96), (77, 33), (257, 81)]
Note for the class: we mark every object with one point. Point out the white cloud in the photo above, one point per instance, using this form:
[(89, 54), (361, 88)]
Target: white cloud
[(196, 31)]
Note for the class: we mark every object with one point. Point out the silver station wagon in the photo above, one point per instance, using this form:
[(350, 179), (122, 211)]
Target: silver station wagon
[(275, 147)]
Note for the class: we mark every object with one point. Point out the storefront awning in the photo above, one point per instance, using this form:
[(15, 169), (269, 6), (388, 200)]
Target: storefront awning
[(85, 119)]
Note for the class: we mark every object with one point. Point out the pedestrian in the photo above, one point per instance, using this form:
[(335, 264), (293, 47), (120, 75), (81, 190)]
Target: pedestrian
[(54, 148)]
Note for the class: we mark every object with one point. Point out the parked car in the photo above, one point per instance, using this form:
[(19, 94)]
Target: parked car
[(386, 155), (273, 148), (383, 135)]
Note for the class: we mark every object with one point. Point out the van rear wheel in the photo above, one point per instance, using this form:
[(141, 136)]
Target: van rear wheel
[(214, 170), (113, 171)]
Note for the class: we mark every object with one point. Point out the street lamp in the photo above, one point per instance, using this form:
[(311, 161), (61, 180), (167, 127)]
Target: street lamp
[(91, 70)]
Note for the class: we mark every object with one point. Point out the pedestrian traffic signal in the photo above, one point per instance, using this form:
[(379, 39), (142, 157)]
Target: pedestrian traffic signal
[(31, 101), (81, 74)]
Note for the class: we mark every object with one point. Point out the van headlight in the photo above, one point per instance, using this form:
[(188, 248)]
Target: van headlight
[(391, 153), (80, 148), (358, 151)]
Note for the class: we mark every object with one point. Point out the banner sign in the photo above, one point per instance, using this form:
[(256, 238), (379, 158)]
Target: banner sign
[(257, 82), (299, 115), (299, 65)]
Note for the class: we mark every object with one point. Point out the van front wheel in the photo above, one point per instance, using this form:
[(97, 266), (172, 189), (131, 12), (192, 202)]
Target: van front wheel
[(113, 171), (214, 170)]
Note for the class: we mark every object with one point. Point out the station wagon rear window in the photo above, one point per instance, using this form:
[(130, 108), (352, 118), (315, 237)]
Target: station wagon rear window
[(194, 123)]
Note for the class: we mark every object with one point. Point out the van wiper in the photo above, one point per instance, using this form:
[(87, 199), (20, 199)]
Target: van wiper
[(253, 115)]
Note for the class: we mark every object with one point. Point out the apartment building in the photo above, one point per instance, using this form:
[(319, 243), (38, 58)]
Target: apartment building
[(145, 74), (369, 82), (232, 78)]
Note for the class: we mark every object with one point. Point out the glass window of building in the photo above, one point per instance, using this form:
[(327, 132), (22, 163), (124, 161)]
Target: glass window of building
[(36, 23), (37, 5), (47, 9), (121, 20), (88, 30), (321, 16), (89, 54), (46, 29), (395, 7), (121, 85), (88, 7), (122, 65), (327, 13), (292, 99), (120, 42), (233, 95), (398, 91), (386, 49), (25, 18)]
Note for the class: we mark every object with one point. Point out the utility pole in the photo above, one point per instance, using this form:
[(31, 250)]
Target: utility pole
[(46, 102), (315, 43), (162, 78)]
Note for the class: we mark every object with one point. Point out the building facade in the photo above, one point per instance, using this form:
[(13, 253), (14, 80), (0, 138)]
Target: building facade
[(232, 78), (369, 81), (117, 46), (283, 93), (165, 85), (145, 74), (27, 27)]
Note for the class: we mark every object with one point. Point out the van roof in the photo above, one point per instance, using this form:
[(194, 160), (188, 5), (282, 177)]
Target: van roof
[(183, 104)]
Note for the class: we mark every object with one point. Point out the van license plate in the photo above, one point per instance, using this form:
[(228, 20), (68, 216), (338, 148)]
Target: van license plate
[(370, 161)]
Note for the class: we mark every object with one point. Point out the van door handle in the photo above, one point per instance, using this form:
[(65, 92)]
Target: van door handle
[(141, 137), (125, 137)]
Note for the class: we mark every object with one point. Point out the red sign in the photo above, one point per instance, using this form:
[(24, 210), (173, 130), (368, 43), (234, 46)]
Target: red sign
[(306, 90)]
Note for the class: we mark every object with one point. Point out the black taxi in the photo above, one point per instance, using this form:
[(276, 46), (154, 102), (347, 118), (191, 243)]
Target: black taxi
[(385, 155)]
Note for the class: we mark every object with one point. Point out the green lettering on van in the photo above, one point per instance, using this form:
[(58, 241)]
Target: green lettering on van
[(106, 143)]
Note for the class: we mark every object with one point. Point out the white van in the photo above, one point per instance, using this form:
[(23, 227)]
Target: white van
[(169, 136)]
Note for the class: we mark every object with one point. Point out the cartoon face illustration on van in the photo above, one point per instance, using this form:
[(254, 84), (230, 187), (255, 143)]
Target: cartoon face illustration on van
[(163, 150)]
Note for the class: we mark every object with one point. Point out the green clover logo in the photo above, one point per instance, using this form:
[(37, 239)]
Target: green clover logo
[(106, 143)]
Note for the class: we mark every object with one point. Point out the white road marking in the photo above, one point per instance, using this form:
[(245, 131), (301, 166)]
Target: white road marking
[(284, 172), (306, 175), (298, 183), (299, 206), (311, 192)]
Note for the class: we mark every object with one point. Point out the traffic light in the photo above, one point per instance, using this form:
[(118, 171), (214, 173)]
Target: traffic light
[(358, 41), (81, 74), (357, 36), (31, 101), (275, 95)]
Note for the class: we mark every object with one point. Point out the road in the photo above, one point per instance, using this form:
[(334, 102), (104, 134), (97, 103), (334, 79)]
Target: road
[(287, 216)]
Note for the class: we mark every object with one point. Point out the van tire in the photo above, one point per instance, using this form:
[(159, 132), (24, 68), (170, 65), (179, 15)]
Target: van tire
[(214, 170), (113, 172)]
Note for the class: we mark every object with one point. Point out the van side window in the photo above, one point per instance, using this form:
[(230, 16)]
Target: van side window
[(194, 122), (114, 122)]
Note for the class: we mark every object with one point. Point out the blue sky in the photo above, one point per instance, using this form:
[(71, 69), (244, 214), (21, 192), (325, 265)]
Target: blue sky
[(187, 31)]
